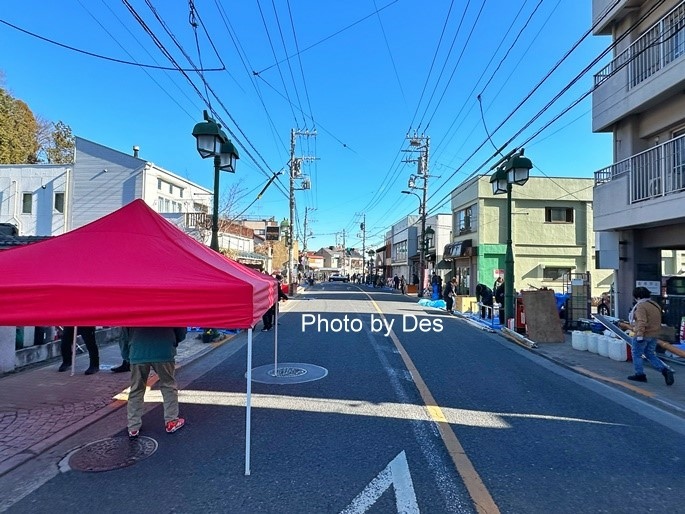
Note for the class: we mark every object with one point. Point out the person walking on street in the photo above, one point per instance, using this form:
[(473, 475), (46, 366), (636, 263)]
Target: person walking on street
[(268, 317), (645, 321), (396, 282), (448, 295), (403, 285), (153, 348), (88, 335)]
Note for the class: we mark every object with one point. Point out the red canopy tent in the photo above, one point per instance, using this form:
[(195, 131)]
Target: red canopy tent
[(133, 268), (129, 268)]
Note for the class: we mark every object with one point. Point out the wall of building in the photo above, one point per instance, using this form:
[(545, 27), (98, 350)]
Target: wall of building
[(42, 181)]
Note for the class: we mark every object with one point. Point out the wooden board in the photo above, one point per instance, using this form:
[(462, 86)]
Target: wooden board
[(604, 320), (542, 318)]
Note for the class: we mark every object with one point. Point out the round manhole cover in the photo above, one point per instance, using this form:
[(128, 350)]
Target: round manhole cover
[(112, 453), (288, 373)]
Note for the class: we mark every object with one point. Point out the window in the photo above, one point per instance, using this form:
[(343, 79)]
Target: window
[(465, 221), (554, 273), (171, 189), (59, 202), (180, 192), (558, 214), (26, 203), (159, 183)]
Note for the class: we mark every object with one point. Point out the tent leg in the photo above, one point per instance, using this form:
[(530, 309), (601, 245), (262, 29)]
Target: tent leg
[(73, 351), (248, 408), (276, 340)]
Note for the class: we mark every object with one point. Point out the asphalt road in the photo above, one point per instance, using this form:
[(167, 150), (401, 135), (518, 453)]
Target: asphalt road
[(433, 417)]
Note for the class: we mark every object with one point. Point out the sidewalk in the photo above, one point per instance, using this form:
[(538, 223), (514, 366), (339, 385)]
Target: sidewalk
[(611, 372), (40, 407)]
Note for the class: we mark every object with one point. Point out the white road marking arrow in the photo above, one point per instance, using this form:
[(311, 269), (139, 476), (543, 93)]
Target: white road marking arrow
[(396, 474)]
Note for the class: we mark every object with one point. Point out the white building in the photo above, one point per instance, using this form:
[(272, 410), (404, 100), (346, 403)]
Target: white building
[(639, 199)]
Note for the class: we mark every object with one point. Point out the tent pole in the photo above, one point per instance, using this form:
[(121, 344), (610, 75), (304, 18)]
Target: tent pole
[(73, 351), (248, 408), (276, 339)]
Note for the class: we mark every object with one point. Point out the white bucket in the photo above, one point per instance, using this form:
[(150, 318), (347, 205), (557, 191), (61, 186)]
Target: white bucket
[(617, 350), (592, 342), (603, 346), (579, 340)]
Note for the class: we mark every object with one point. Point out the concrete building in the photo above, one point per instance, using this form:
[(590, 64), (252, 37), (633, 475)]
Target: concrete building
[(403, 245), (552, 234), (639, 199)]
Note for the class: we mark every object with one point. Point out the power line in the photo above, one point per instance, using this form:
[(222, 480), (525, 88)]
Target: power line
[(99, 56)]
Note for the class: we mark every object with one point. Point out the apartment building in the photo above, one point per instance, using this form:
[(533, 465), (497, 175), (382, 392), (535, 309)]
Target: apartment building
[(639, 199)]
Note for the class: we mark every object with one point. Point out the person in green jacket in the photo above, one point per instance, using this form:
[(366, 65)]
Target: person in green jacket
[(153, 348)]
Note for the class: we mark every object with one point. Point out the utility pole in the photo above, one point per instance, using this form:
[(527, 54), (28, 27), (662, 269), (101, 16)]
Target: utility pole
[(306, 228), (295, 165), (344, 253), (362, 226), (422, 144)]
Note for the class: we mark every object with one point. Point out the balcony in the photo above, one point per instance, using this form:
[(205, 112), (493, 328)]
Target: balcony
[(651, 185), (643, 74)]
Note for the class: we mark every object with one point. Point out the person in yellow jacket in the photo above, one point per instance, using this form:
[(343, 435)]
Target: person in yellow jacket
[(645, 322)]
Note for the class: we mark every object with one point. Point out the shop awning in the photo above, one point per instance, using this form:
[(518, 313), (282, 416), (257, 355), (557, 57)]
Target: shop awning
[(457, 249)]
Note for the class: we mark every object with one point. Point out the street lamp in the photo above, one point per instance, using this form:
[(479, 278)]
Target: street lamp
[(422, 214), (213, 142), (514, 169)]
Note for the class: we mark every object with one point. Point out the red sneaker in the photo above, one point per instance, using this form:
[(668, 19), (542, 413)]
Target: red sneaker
[(174, 425)]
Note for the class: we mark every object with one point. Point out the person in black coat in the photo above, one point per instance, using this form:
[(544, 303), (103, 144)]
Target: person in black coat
[(88, 335), (268, 317), (484, 296), (499, 298)]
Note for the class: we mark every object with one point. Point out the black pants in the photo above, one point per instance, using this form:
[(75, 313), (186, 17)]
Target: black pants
[(268, 317), (88, 335), (449, 303)]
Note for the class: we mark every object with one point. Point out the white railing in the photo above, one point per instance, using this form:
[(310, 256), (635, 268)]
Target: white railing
[(662, 44), (656, 172)]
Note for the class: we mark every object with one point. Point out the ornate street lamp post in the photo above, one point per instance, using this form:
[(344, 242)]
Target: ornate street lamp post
[(513, 169), (213, 142)]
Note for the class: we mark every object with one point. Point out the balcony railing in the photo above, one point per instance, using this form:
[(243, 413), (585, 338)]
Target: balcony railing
[(656, 172), (659, 46)]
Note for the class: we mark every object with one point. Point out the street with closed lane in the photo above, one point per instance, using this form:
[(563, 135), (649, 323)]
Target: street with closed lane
[(418, 411)]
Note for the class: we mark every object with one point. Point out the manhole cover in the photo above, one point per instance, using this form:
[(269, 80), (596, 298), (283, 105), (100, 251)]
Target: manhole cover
[(112, 453), (288, 373)]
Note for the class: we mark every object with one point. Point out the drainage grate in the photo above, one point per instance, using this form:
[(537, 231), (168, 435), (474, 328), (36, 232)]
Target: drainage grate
[(112, 453)]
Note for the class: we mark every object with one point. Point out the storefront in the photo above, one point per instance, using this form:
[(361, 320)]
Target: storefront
[(461, 255)]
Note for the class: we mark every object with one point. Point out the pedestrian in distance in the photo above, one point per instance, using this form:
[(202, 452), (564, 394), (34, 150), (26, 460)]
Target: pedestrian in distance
[(485, 298), (153, 348), (88, 335), (645, 321), (448, 294), (396, 282), (499, 298), (268, 317), (403, 285)]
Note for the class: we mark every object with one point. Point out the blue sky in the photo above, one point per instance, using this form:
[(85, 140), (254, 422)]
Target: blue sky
[(357, 80)]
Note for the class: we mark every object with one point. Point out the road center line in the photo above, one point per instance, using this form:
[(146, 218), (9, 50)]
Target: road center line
[(479, 493)]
